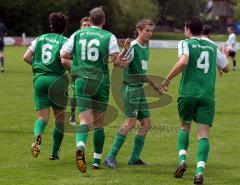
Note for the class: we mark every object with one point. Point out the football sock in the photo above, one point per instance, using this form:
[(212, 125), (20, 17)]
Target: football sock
[(202, 154), (137, 147), (58, 134), (234, 63), (117, 144), (73, 105), (98, 141), (39, 127), (81, 135), (2, 62), (183, 142)]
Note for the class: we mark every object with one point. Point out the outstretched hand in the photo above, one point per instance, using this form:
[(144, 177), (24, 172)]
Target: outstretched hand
[(164, 85)]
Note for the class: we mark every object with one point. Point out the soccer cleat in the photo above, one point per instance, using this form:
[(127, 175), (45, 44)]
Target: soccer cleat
[(198, 179), (138, 162), (180, 170), (72, 119), (53, 158), (35, 148), (2, 69), (80, 160), (110, 162), (96, 166)]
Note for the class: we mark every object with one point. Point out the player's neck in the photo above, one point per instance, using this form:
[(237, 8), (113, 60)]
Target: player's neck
[(141, 42)]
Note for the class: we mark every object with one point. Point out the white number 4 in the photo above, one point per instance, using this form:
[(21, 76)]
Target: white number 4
[(203, 65)]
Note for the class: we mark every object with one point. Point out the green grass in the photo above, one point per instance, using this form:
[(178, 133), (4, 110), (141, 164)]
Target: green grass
[(17, 115)]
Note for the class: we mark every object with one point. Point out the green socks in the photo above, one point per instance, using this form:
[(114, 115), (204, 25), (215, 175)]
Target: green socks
[(98, 142), (58, 134), (202, 155), (81, 135), (183, 142), (117, 144), (137, 147), (39, 127)]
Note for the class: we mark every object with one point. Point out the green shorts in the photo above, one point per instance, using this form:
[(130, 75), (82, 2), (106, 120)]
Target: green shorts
[(199, 110), (50, 90), (135, 102), (91, 94)]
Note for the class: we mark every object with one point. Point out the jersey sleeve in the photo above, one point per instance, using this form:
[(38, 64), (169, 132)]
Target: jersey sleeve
[(113, 45), (68, 46), (130, 54), (183, 48), (33, 45), (221, 60)]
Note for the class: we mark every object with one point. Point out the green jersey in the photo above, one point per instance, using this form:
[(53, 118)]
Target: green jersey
[(199, 76), (90, 48), (46, 57), (138, 56)]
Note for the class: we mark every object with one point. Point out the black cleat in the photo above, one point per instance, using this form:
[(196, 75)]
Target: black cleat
[(198, 179), (138, 162), (182, 167), (53, 158), (80, 160), (72, 119), (35, 148)]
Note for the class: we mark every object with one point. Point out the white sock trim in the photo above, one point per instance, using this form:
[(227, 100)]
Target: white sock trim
[(83, 123), (202, 138), (182, 152), (201, 164), (81, 144), (97, 156)]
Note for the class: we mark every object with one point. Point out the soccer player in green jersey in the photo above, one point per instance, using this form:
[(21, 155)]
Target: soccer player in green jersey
[(84, 23), (198, 58), (135, 102), (89, 50), (44, 56)]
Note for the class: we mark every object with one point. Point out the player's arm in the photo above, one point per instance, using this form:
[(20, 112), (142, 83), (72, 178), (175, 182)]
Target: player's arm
[(66, 52), (177, 68), (124, 62), (27, 57), (222, 61), (153, 84), (183, 53), (66, 59)]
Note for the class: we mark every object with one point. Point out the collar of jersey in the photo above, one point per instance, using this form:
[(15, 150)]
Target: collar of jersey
[(95, 27)]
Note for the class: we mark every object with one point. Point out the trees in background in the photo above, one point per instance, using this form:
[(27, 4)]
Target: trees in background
[(30, 16)]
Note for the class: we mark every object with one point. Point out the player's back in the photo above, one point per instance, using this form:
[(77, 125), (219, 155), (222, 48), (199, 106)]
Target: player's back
[(199, 76), (91, 52), (46, 58)]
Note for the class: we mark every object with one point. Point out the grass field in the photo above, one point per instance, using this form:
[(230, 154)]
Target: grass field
[(17, 115)]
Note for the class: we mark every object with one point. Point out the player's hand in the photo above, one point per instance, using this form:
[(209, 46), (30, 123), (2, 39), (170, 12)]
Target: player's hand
[(164, 85), (126, 44), (157, 88), (123, 63)]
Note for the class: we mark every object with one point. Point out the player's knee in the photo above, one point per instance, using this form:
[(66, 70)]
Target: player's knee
[(184, 126)]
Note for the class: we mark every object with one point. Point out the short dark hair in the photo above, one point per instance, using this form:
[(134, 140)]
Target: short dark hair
[(207, 29), (194, 24), (142, 24), (84, 19), (97, 16), (57, 22)]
